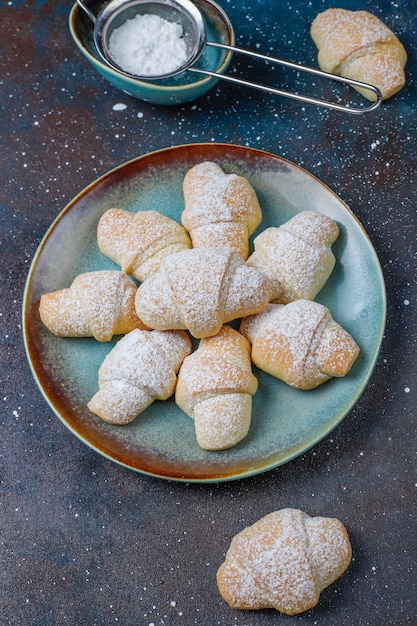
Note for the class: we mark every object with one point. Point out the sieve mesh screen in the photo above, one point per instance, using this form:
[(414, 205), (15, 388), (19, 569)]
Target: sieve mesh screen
[(191, 30)]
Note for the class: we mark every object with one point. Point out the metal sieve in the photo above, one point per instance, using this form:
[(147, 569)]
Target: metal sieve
[(194, 34)]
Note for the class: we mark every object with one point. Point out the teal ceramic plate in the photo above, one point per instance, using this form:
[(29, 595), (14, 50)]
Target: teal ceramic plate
[(161, 442)]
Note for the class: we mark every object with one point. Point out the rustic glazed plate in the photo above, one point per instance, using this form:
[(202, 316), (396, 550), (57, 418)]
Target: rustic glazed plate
[(161, 442)]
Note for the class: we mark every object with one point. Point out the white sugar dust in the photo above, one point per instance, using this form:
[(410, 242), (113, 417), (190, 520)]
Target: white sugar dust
[(148, 45)]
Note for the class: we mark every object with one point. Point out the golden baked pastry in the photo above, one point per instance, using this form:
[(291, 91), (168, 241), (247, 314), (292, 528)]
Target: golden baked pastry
[(297, 256), (200, 290), (139, 241), (357, 45), (140, 369), (98, 304), (215, 388), (284, 561), (300, 343), (221, 210)]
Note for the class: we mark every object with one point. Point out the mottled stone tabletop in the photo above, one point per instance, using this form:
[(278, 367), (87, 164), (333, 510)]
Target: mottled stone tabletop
[(84, 540)]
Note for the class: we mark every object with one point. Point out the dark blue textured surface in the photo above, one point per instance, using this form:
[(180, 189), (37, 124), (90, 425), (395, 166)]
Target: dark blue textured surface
[(84, 541)]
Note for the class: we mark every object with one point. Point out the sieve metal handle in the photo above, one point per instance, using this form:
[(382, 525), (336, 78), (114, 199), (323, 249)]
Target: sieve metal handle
[(301, 68), (85, 8)]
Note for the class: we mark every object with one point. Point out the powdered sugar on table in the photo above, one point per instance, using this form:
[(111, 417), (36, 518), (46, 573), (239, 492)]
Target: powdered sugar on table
[(148, 45)]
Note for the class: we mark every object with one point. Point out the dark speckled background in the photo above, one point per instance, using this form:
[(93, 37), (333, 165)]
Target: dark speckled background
[(85, 541)]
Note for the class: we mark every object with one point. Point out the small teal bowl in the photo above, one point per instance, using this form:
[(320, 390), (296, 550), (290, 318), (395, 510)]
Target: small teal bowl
[(169, 91)]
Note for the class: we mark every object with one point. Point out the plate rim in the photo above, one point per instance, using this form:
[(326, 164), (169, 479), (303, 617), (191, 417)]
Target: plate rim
[(302, 448)]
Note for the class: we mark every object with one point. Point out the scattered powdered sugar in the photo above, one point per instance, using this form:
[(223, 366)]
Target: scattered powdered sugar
[(148, 45)]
